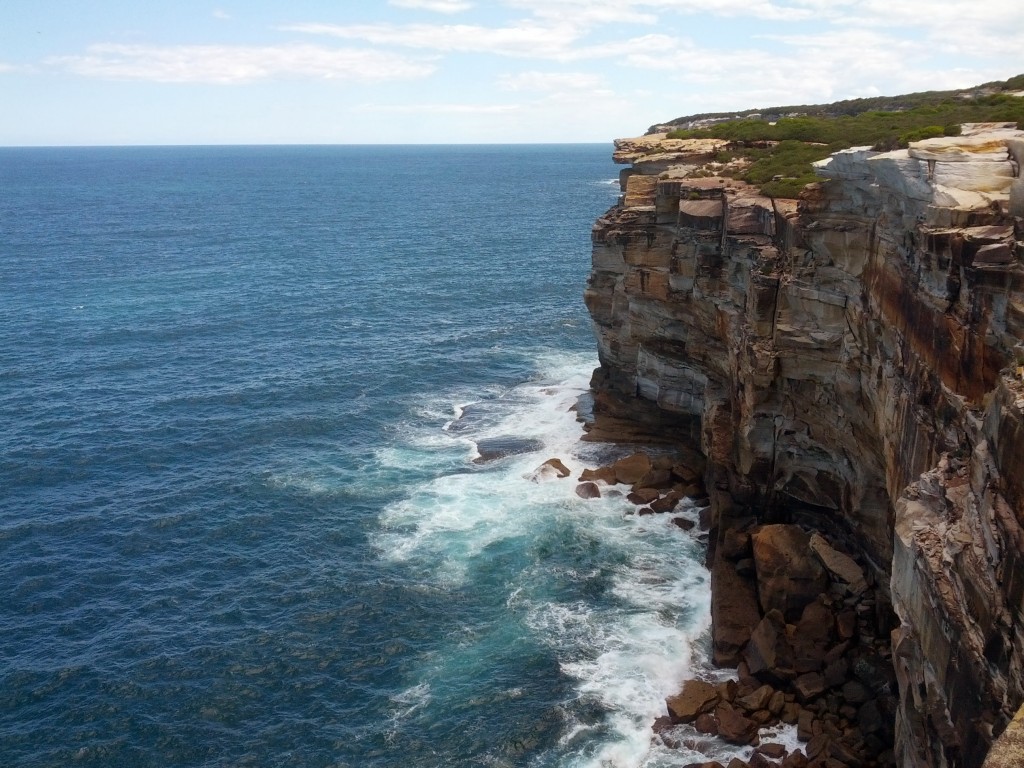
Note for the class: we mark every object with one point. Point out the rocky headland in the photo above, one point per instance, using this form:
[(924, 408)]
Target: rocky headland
[(846, 371)]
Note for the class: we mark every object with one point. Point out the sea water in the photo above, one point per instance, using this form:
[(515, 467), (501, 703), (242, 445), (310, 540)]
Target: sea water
[(242, 391)]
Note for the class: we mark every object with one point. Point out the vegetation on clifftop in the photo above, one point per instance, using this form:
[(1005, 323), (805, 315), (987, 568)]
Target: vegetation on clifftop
[(776, 155)]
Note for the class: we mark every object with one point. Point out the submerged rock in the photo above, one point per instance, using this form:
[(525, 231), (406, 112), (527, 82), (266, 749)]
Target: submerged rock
[(494, 448), (549, 470)]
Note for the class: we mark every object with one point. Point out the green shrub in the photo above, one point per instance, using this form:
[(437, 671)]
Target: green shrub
[(789, 189), (919, 134), (781, 171)]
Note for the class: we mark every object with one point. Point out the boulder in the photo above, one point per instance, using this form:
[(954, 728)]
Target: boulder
[(682, 522), (763, 717), (642, 496), (695, 698), (757, 700), (835, 672), (789, 575), (805, 725), (661, 724), (734, 612), (811, 637), (734, 727), (855, 692), (656, 478), (663, 462), (588, 490), (809, 686), (838, 652), (686, 473), (728, 690), (558, 466), (550, 470), (706, 724), (840, 565), (817, 745), (601, 474), (734, 544), (772, 750), (844, 753), (768, 652), (790, 713), (666, 503), (846, 624), (630, 469), (869, 717)]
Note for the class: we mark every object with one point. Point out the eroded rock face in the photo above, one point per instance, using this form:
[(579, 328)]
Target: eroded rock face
[(789, 577), (849, 363)]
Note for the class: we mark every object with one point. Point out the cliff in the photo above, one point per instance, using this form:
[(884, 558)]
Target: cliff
[(850, 362)]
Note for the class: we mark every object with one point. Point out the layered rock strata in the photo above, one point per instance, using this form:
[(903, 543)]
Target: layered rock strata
[(851, 362)]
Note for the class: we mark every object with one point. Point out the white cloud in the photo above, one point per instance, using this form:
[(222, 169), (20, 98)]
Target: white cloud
[(437, 6), (814, 68), (221, 14), (550, 81), (439, 109), (527, 40), (960, 27), (662, 45), (759, 9), (237, 64), (7, 67), (948, 14), (853, 44), (583, 13), (646, 11)]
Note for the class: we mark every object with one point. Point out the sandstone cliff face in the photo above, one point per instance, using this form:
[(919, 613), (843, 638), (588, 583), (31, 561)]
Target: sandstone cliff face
[(851, 363)]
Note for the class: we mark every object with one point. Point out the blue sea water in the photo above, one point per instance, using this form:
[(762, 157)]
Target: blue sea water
[(241, 390)]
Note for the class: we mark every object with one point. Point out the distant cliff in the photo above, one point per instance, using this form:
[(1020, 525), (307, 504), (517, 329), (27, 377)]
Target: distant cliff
[(851, 362)]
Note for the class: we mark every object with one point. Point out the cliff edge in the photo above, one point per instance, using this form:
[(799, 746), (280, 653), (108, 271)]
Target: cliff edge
[(852, 362)]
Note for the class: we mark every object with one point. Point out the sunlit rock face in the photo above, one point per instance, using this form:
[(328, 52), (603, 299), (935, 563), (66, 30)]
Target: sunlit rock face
[(850, 362)]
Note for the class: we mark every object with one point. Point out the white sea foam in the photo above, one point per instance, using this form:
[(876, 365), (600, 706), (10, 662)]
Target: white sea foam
[(452, 518), (639, 651), (405, 705), (626, 648)]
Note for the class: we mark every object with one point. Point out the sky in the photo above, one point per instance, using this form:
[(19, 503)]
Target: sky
[(115, 72)]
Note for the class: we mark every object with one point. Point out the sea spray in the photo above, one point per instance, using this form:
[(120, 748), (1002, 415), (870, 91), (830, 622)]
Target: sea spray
[(618, 602)]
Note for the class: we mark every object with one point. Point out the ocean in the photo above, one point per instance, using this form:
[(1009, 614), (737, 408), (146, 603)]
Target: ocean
[(242, 390)]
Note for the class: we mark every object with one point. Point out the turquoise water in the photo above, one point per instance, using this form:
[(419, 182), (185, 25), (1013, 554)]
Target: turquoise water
[(240, 520)]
